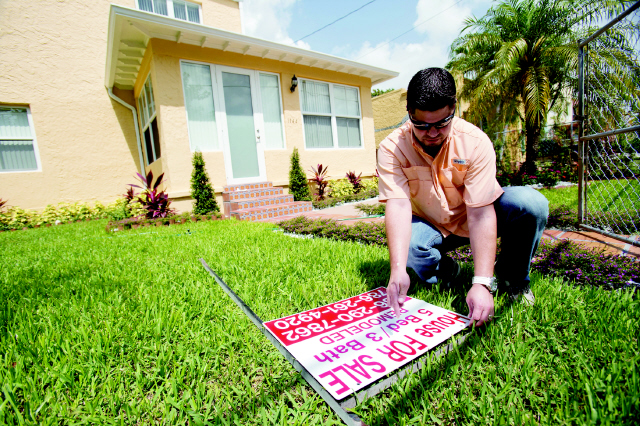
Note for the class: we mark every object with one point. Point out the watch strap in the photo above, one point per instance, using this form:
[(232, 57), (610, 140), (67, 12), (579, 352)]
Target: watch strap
[(488, 282)]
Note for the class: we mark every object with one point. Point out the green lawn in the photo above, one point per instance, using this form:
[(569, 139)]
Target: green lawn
[(602, 195), (130, 329)]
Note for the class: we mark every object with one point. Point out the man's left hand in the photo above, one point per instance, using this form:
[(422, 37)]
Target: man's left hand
[(480, 303)]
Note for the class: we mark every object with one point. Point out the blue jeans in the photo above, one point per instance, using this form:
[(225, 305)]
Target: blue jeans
[(521, 213)]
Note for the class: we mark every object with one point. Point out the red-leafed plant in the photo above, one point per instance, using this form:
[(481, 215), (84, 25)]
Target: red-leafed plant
[(2, 203), (320, 179), (130, 195), (156, 202), (356, 181)]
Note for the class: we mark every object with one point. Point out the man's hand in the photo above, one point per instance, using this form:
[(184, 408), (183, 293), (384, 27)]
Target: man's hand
[(483, 232), (397, 290), (480, 303), (398, 223)]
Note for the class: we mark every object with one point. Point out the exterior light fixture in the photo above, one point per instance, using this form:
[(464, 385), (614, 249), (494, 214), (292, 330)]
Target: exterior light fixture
[(294, 83)]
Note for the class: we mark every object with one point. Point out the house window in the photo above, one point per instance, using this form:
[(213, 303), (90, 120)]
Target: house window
[(331, 115), (201, 91), (178, 9), (199, 103), (149, 122), (18, 150)]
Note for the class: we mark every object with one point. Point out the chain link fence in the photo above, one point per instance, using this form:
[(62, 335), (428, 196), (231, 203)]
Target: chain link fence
[(609, 135)]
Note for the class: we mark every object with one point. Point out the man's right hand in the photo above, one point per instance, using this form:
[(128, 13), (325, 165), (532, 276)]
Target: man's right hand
[(397, 290), (398, 224)]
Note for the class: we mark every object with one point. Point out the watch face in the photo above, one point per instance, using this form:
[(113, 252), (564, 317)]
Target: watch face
[(494, 285)]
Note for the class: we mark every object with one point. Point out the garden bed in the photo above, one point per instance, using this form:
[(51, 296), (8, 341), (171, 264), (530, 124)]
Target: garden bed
[(141, 222), (560, 258)]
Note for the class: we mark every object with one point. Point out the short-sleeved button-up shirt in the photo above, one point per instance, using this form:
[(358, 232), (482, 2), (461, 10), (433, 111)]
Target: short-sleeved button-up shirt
[(463, 174)]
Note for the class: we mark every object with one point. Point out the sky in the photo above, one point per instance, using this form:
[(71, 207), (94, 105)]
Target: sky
[(368, 35)]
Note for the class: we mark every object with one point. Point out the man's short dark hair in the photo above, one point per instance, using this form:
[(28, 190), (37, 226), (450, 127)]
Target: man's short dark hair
[(430, 90)]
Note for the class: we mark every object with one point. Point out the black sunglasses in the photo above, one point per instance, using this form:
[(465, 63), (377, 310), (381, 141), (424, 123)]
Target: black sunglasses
[(421, 125)]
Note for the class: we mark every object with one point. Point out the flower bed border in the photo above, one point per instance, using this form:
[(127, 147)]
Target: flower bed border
[(581, 265), (135, 223)]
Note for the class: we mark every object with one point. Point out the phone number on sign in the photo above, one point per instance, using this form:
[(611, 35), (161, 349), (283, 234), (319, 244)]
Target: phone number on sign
[(308, 324)]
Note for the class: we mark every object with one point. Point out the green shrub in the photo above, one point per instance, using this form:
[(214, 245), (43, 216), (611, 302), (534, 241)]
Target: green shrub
[(298, 185), (370, 184), (548, 175), (201, 189), (119, 210), (361, 232), (340, 188), (332, 201), (326, 203), (17, 218), (377, 209)]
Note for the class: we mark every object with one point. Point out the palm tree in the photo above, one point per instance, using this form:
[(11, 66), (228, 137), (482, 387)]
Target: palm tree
[(520, 60)]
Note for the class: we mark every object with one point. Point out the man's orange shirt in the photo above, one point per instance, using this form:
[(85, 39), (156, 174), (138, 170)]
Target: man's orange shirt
[(462, 174)]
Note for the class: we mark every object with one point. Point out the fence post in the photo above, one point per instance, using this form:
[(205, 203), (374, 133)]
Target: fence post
[(580, 131)]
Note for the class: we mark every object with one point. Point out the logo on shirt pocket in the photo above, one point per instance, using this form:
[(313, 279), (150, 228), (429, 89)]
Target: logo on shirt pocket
[(460, 164)]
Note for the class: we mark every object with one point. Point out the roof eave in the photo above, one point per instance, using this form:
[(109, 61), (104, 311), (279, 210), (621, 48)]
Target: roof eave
[(118, 15)]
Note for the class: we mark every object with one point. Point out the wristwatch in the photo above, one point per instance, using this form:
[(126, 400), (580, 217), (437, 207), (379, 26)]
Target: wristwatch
[(488, 282)]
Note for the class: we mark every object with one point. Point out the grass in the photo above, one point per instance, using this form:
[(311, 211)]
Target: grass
[(128, 328), (611, 195)]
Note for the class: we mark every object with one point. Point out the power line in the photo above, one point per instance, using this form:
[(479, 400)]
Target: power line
[(413, 28), (342, 17)]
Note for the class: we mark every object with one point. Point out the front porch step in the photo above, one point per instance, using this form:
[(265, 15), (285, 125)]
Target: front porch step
[(233, 206), (270, 212), (247, 186), (252, 193), (260, 201)]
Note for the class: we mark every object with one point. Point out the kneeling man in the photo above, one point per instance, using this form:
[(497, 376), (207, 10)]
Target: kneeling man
[(438, 179)]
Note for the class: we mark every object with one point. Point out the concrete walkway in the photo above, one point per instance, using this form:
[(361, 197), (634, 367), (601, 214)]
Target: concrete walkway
[(348, 215)]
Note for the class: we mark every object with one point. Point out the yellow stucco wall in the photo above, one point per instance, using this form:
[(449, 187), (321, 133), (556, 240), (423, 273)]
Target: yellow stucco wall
[(164, 58), (389, 110), (53, 61), (223, 14)]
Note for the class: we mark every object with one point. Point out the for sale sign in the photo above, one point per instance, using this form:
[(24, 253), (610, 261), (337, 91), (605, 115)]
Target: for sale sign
[(348, 344)]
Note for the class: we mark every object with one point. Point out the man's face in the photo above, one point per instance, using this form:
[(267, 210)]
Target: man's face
[(434, 136)]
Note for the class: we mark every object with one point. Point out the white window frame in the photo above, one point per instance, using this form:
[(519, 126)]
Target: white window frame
[(333, 115), (36, 151), (221, 115), (170, 13), (145, 120)]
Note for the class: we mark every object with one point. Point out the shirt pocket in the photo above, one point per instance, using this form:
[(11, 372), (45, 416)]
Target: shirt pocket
[(453, 176), (452, 181), (420, 180)]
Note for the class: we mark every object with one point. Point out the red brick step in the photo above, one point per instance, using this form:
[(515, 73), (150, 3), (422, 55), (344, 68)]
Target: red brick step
[(260, 201), (262, 213)]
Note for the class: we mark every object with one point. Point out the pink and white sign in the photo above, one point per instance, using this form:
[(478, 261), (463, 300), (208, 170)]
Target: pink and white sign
[(348, 344)]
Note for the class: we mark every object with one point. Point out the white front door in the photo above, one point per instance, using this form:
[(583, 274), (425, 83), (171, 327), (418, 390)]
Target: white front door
[(243, 145)]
